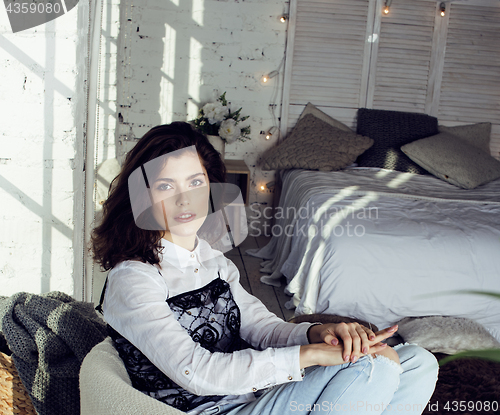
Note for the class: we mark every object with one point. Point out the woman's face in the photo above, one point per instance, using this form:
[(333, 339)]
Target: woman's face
[(180, 194)]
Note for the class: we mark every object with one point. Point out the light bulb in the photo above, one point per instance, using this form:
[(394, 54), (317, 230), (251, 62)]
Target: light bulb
[(442, 8), (387, 5), (270, 133), (268, 76), (284, 18), (262, 187)]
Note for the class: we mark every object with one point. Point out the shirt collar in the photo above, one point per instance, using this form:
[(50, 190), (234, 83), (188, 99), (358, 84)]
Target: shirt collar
[(182, 258)]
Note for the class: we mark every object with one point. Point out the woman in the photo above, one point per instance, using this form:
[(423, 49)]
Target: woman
[(192, 337)]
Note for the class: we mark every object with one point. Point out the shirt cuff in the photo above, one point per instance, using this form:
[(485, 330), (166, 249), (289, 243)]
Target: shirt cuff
[(287, 362)]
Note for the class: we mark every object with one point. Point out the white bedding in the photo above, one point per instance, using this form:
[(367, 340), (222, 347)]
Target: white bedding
[(393, 241)]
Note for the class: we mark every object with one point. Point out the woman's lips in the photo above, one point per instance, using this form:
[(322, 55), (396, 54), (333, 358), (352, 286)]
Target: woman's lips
[(185, 217)]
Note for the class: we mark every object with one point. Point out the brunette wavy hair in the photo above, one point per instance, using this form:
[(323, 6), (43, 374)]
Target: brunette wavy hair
[(117, 237)]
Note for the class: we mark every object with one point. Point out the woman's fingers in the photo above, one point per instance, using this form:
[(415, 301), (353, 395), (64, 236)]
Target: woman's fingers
[(356, 342), (369, 333), (356, 339), (363, 333), (347, 340), (330, 337), (376, 348), (385, 333), (360, 341)]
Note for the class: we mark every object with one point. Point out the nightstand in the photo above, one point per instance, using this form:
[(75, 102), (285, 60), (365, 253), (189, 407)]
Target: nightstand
[(239, 174)]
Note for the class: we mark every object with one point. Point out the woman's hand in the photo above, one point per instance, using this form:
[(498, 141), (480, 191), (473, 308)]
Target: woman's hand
[(322, 354), (357, 339)]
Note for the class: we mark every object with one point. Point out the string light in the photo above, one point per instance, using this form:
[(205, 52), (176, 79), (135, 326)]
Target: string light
[(442, 8), (270, 75), (267, 186), (270, 133), (387, 6), (284, 18)]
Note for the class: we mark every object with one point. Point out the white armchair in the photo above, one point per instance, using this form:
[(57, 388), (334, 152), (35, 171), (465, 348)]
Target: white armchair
[(105, 387)]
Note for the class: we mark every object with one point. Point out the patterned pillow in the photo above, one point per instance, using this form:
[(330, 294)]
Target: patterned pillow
[(390, 130), (316, 145), (454, 160)]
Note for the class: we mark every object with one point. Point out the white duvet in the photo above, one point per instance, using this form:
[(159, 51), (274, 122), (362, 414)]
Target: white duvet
[(365, 249)]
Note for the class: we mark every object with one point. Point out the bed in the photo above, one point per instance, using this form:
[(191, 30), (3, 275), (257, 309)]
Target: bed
[(384, 242), (379, 245)]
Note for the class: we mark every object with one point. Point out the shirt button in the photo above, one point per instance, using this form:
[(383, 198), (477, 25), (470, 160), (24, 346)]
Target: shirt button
[(189, 312), (212, 319), (192, 255), (187, 372), (290, 378), (196, 270), (254, 389)]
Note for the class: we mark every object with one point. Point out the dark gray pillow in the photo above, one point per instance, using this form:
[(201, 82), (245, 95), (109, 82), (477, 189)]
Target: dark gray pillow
[(454, 160), (390, 130), (316, 145)]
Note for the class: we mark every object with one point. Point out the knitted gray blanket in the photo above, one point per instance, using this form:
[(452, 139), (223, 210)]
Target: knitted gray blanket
[(49, 336)]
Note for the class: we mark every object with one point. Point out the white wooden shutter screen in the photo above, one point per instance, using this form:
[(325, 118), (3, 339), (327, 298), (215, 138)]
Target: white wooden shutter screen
[(329, 61), (343, 55), (401, 62), (470, 88)]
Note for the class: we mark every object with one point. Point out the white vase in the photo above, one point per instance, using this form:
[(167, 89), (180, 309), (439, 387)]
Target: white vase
[(218, 143)]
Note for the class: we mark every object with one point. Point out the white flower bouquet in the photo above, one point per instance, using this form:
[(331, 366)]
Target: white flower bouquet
[(216, 118)]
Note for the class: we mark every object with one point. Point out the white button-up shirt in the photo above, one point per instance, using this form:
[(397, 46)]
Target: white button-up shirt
[(135, 306)]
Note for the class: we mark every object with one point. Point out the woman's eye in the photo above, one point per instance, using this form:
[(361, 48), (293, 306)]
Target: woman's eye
[(164, 186), (196, 183)]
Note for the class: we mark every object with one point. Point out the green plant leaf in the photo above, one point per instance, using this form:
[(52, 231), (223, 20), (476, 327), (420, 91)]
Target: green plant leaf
[(487, 354), (487, 293), (234, 115), (223, 100)]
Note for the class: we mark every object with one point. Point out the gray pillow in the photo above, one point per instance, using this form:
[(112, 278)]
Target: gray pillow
[(454, 160), (316, 145), (443, 334), (477, 135)]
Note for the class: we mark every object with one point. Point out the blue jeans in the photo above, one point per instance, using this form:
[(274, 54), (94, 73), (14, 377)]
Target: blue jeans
[(368, 386)]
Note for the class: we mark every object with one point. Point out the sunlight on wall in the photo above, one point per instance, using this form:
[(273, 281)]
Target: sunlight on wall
[(168, 74), (194, 83), (198, 11)]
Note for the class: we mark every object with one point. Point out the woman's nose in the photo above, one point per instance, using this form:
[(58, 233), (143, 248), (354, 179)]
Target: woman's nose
[(182, 198)]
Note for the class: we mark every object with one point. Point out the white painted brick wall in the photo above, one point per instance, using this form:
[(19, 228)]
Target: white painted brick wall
[(182, 54), (40, 152)]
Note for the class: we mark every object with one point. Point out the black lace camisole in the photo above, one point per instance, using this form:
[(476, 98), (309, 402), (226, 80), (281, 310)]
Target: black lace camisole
[(211, 317)]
